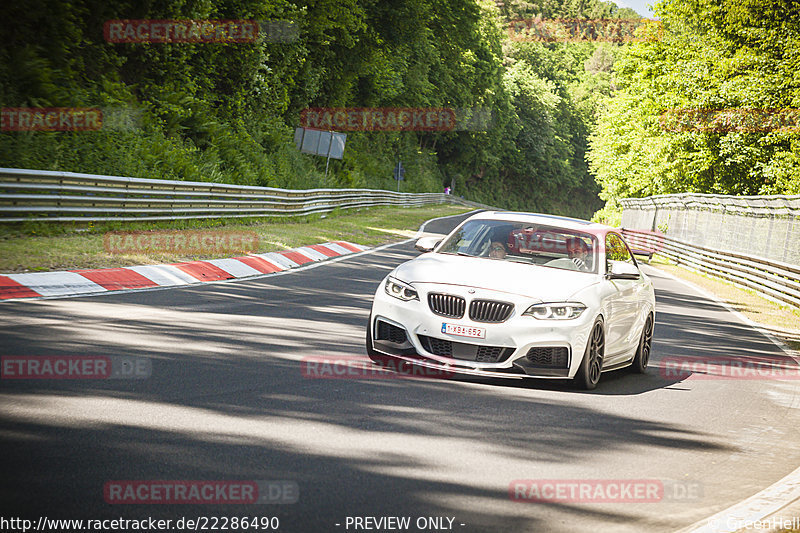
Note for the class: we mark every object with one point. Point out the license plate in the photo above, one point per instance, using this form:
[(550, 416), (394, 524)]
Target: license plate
[(463, 331)]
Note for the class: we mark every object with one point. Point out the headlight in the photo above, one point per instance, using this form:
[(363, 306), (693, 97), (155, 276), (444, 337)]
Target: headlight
[(398, 289), (555, 311)]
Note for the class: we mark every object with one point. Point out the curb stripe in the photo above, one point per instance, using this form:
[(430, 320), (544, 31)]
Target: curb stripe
[(57, 283), (234, 267), (203, 271), (754, 509), (348, 246), (92, 281), (311, 253), (165, 275), (114, 279), (297, 257), (338, 248), (324, 250), (278, 259), (260, 264), (11, 289)]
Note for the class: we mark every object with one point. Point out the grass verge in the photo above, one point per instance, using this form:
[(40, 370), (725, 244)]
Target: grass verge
[(38, 247), (781, 321)]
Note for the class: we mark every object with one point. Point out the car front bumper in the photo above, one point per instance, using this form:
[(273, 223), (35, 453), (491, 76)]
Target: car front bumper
[(521, 346)]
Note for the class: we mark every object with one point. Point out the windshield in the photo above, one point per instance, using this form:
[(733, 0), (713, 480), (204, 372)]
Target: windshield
[(501, 240)]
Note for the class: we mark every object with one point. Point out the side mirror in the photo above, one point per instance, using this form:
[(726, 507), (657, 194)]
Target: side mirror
[(622, 270), (427, 244)]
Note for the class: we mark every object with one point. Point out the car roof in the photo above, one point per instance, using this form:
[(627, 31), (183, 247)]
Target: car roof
[(547, 220)]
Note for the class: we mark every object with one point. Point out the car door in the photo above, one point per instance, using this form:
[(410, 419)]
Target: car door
[(623, 303)]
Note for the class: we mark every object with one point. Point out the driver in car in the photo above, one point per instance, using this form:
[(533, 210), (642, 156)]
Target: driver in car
[(497, 250), (578, 252)]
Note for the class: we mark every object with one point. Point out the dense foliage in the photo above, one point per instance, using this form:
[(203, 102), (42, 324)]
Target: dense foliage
[(226, 112), (736, 55)]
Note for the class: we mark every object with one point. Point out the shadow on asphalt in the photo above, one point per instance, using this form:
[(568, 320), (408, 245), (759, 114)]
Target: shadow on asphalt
[(215, 352)]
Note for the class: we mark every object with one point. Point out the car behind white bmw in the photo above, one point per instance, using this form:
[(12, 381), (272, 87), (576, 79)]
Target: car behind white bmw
[(517, 295)]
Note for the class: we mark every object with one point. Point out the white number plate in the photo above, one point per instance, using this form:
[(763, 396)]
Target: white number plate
[(463, 331)]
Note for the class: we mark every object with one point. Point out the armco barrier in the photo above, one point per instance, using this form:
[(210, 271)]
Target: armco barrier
[(753, 241), (779, 281), (760, 226), (71, 197)]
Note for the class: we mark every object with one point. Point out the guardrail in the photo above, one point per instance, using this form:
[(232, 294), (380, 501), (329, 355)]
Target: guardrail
[(70, 197), (762, 226), (751, 206), (773, 279), (753, 241)]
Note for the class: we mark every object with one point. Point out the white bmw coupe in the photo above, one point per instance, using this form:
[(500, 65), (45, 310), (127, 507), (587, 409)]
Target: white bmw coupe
[(517, 295)]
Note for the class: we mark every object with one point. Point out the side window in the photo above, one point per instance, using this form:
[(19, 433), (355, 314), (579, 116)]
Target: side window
[(465, 238), (616, 250)]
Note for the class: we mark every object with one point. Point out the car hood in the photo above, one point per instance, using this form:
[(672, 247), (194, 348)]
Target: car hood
[(544, 283)]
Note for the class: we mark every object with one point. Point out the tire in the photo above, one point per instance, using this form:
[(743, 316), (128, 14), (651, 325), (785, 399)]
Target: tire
[(592, 364), (642, 356)]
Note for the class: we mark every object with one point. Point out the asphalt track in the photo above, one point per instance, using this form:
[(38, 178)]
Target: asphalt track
[(227, 400)]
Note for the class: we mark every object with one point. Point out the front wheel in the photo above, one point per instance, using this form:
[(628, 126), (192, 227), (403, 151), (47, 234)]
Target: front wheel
[(592, 364), (642, 357)]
